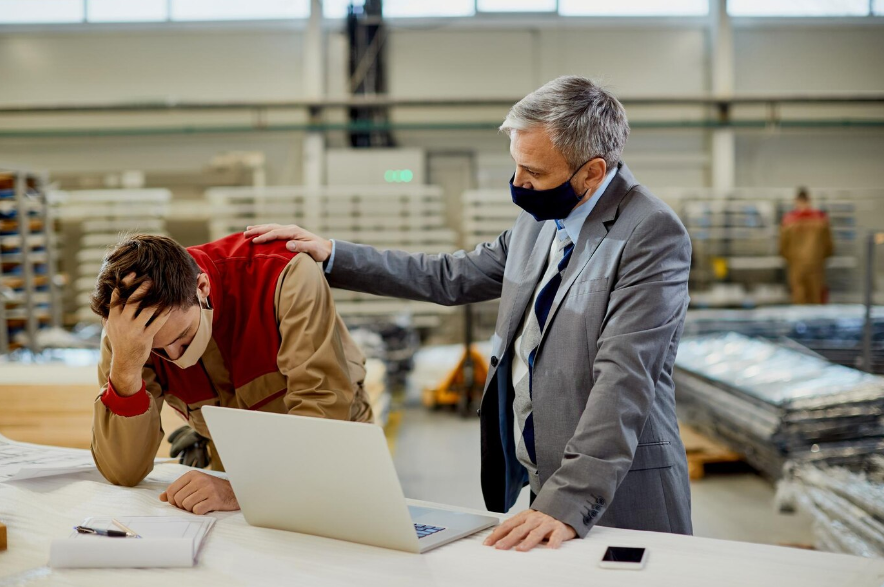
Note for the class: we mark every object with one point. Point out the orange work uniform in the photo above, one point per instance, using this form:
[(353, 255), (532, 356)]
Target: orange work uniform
[(805, 243)]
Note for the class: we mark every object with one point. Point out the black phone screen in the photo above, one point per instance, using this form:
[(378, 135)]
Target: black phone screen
[(620, 554)]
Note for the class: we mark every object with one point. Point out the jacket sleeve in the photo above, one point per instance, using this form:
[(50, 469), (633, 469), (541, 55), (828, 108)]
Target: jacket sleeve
[(311, 354), (448, 279), (645, 311), (126, 430)]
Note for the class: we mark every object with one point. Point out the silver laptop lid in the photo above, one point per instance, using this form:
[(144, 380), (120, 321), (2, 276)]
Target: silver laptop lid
[(314, 476)]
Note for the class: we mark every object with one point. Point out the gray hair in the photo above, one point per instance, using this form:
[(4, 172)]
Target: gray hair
[(584, 121)]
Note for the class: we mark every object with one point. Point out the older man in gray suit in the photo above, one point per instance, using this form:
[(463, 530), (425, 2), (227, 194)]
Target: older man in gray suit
[(593, 280)]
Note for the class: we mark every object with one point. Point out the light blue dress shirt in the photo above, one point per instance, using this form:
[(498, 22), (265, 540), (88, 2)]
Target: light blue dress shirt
[(570, 226), (331, 258)]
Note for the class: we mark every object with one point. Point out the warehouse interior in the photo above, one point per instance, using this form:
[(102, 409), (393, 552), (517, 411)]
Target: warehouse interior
[(376, 122)]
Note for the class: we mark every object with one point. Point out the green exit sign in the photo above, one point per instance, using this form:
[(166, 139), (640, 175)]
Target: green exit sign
[(398, 175)]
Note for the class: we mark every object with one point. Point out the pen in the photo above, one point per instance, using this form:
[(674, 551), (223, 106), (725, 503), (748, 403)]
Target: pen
[(129, 531), (100, 532)]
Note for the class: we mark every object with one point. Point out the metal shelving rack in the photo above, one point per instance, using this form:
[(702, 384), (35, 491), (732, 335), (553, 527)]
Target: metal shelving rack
[(734, 241), (102, 217), (485, 214), (28, 287), (735, 236), (408, 217)]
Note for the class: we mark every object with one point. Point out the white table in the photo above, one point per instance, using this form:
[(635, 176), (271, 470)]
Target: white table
[(235, 553)]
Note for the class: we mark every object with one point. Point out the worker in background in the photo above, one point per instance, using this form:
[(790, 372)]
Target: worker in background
[(805, 243), (228, 323)]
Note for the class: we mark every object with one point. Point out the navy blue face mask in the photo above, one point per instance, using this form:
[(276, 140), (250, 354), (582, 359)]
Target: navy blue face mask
[(552, 204)]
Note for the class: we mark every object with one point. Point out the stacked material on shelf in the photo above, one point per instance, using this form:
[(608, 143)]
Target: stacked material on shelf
[(28, 289), (376, 388), (833, 331), (102, 217), (408, 217), (394, 343), (847, 507), (771, 402)]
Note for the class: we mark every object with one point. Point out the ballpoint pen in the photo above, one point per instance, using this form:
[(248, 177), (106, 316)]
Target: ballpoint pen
[(100, 532), (129, 532)]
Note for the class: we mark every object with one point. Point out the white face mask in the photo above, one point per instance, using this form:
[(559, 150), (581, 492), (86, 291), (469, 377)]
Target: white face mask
[(200, 342)]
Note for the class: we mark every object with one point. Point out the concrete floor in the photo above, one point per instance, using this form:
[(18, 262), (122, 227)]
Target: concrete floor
[(437, 457)]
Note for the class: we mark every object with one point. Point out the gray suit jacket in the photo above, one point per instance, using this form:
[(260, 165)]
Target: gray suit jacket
[(606, 436)]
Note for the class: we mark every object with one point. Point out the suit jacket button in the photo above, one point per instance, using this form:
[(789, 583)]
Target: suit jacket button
[(494, 362)]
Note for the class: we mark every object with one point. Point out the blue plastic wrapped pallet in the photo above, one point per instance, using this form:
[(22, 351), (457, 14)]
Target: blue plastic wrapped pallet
[(772, 402), (834, 331)]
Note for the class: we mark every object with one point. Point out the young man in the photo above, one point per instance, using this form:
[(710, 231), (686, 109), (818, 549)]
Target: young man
[(228, 323)]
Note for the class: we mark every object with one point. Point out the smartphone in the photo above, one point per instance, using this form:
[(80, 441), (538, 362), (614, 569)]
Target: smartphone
[(621, 557)]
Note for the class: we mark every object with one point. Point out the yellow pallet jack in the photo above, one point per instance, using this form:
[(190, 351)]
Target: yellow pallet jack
[(462, 387)]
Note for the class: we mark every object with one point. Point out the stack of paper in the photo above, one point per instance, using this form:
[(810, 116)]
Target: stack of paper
[(165, 541), (20, 460)]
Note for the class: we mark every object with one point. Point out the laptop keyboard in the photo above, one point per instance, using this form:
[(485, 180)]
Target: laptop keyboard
[(423, 531)]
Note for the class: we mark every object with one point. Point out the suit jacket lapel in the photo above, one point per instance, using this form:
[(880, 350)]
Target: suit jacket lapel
[(592, 234), (531, 274)]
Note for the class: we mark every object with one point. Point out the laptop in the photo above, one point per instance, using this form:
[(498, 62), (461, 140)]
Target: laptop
[(326, 478)]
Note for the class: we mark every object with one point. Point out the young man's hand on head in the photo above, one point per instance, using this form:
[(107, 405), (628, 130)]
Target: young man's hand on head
[(131, 332), (201, 493)]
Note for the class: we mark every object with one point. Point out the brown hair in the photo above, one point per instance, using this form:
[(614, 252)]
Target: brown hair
[(802, 195), (168, 265)]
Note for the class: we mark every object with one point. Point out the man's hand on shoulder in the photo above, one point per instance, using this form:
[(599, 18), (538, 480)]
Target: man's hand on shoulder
[(299, 240), (527, 529)]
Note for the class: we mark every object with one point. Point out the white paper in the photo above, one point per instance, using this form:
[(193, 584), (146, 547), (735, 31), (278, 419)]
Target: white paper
[(20, 460), (166, 541)]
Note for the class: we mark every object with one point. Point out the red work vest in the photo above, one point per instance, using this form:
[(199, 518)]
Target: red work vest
[(242, 281)]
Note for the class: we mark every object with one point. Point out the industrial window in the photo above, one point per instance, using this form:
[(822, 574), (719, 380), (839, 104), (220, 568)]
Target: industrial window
[(338, 8), (411, 8), (405, 8), (74, 11), (117, 11), (79, 11), (633, 8), (516, 5), (239, 10), (798, 8), (41, 11)]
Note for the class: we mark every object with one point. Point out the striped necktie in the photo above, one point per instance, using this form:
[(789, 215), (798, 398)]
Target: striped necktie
[(536, 322)]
